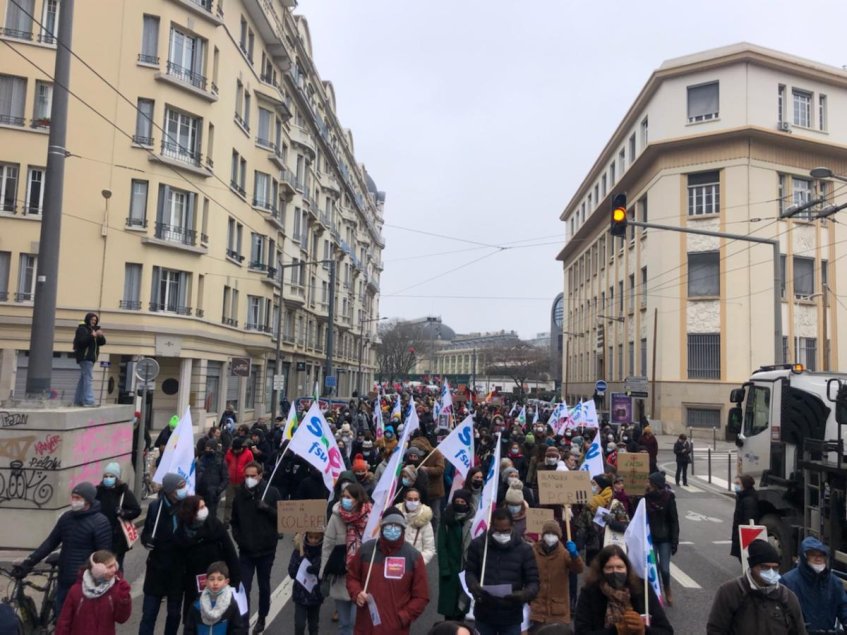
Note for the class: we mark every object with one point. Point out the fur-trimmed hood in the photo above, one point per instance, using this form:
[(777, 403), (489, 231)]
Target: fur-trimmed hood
[(419, 519)]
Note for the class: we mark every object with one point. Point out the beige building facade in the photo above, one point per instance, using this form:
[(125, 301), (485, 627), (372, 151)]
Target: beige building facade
[(206, 190), (724, 140)]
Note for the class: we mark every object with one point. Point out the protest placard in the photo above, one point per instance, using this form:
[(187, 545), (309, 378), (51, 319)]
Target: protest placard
[(294, 517), (563, 488), (634, 468), (535, 519)]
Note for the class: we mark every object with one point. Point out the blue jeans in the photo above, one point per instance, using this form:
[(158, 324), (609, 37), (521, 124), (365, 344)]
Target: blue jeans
[(489, 629), (85, 386), (346, 616), (261, 565), (150, 611), (663, 556)]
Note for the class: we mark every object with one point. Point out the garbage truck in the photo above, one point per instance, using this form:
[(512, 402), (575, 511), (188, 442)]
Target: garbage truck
[(789, 426)]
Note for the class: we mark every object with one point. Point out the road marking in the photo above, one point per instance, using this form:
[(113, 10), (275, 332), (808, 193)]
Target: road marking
[(692, 489), (279, 598), (719, 482), (697, 517), (685, 542), (721, 542), (683, 579)]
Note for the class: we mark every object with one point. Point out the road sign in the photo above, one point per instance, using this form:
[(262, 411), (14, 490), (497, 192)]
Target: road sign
[(146, 369), (106, 364), (637, 394), (149, 386), (330, 381), (601, 385), (746, 535), (279, 382), (635, 384)]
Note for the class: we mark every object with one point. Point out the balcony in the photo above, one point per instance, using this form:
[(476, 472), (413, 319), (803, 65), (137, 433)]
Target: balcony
[(130, 305), (277, 157), (242, 123), (159, 307), (261, 328), (227, 321), (264, 205), (175, 237), (266, 144), (185, 78), (200, 313), (203, 9), (25, 296), (288, 181), (42, 123), (273, 276), (175, 155), (302, 138), (234, 255), (16, 34), (288, 338), (10, 120), (276, 219), (256, 265), (295, 294), (136, 223), (238, 189), (270, 27), (148, 60), (146, 142)]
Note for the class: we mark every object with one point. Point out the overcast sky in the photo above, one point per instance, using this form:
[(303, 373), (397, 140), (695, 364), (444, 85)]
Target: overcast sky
[(480, 118)]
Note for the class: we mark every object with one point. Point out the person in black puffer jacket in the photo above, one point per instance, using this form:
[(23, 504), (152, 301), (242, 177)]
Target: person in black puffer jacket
[(746, 509), (664, 526), (80, 532), (510, 561), (203, 540), (87, 342), (307, 604), (117, 502), (212, 475)]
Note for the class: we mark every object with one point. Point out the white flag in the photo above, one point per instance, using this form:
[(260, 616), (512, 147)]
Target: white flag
[(522, 416), (639, 546), (589, 418), (457, 447), (593, 463), (397, 411), (315, 442), (576, 416), (489, 494), (446, 399), (178, 456), (386, 488), (535, 416), (379, 426)]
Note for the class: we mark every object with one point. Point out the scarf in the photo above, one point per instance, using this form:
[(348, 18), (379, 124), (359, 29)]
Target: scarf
[(212, 610), (657, 500), (92, 589), (601, 499), (355, 521), (618, 603)]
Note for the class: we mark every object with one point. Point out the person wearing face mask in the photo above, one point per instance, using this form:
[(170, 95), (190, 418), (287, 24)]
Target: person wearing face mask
[(370, 453), (398, 584), (454, 538), (307, 603), (433, 466), (342, 541), (165, 564), (756, 603), (555, 562), (216, 611), (99, 599), (117, 502), (612, 600), (510, 562), (820, 593), (254, 527), (476, 481), (419, 531), (664, 526), (515, 453), (202, 540), (237, 457), (212, 475), (345, 436), (79, 532), (363, 476), (413, 476), (588, 534), (746, 509), (517, 506), (508, 476)]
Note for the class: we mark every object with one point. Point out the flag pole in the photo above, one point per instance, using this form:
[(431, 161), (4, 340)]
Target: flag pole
[(568, 522), (370, 570), (273, 473), (485, 548), (158, 513)]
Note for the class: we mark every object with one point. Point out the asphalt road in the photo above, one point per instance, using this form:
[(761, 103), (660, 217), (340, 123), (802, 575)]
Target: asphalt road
[(699, 567)]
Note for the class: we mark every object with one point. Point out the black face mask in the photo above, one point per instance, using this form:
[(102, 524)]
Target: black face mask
[(616, 580), (476, 484), (461, 509)]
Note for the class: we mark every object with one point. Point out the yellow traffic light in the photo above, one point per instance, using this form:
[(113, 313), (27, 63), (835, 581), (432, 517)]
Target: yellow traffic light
[(618, 226)]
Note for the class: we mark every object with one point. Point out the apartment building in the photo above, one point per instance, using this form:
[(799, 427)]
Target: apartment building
[(209, 185), (723, 140)]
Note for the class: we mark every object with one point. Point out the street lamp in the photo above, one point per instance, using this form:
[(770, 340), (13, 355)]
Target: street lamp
[(362, 323)]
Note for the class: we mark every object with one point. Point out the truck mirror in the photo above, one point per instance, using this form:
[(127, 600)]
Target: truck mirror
[(737, 395), (832, 387), (733, 422), (841, 405)]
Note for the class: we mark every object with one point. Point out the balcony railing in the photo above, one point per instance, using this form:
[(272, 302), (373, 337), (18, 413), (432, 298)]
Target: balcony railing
[(130, 305), (187, 75), (40, 122), (4, 296), (10, 120), (175, 151), (263, 203), (228, 321), (288, 338), (176, 234), (238, 188), (153, 60), (234, 255), (241, 121), (265, 143), (47, 38), (200, 313), (25, 296), (204, 4), (258, 266), (169, 307), (15, 33), (142, 141), (138, 223), (262, 328)]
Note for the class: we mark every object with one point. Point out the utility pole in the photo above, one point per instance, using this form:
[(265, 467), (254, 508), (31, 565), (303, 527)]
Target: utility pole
[(330, 328), (278, 359), (42, 336)]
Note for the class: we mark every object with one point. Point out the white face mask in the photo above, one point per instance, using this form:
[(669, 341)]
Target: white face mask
[(412, 506), (512, 479), (817, 568), (769, 577), (551, 461), (501, 537), (550, 539), (77, 506), (251, 482), (202, 514)]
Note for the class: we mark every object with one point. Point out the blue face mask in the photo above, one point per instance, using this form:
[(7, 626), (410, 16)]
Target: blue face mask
[(515, 509), (407, 482), (109, 481), (392, 532), (347, 504), (182, 493)]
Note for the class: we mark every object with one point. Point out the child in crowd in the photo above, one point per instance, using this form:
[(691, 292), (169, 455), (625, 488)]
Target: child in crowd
[(307, 603), (99, 599), (216, 612)]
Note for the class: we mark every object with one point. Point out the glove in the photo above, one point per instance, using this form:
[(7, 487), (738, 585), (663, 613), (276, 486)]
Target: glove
[(22, 570), (673, 549), (633, 622), (264, 507), (570, 545), (313, 569), (515, 597)]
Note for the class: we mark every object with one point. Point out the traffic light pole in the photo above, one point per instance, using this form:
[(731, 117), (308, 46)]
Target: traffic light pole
[(777, 274)]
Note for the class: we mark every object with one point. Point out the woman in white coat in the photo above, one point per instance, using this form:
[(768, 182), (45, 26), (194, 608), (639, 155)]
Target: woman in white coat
[(418, 516)]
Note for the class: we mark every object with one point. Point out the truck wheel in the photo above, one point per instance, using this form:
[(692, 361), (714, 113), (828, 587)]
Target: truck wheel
[(780, 540)]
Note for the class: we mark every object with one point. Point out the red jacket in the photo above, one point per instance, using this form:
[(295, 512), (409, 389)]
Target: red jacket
[(401, 597), (236, 464), (83, 616)]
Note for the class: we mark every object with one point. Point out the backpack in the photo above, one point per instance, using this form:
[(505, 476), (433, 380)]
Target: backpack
[(781, 597)]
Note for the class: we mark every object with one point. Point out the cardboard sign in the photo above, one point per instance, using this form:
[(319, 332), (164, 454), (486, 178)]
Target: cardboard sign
[(535, 519), (294, 517), (563, 488), (746, 535), (634, 468)]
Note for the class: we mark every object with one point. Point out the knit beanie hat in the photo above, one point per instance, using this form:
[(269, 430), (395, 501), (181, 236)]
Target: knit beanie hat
[(237, 443), (171, 482), (414, 452), (410, 472), (602, 482), (529, 438), (113, 468), (392, 516), (761, 551), (551, 527), (359, 464), (464, 494), (515, 493), (506, 472), (551, 451), (657, 479), (86, 491)]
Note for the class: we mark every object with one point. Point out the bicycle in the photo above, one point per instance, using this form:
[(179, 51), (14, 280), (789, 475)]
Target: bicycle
[(147, 487), (32, 619)]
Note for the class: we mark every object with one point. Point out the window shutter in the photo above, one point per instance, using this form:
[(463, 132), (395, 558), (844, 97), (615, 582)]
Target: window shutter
[(183, 289), (150, 36), (702, 100), (189, 213), (154, 289), (164, 194)]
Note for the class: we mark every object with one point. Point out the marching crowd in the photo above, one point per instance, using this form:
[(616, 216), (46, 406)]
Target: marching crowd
[(573, 574)]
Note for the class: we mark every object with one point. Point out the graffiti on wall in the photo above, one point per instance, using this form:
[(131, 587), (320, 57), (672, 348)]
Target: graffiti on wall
[(30, 484)]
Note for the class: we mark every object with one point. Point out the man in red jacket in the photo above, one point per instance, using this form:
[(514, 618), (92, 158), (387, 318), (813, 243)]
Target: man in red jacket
[(237, 458), (398, 589)]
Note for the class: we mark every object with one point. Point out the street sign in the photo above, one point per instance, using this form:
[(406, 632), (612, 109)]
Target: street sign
[(279, 382), (746, 535), (330, 381), (637, 394), (239, 366), (149, 386), (146, 369), (635, 384), (106, 364), (601, 386)]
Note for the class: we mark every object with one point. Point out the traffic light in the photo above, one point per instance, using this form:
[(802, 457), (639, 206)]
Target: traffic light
[(618, 227)]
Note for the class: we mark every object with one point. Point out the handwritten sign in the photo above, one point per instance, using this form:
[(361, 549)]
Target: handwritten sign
[(563, 488), (634, 468), (535, 519), (294, 517)]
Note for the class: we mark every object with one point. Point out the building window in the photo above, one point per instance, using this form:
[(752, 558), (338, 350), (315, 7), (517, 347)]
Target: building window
[(264, 133), (144, 123), (804, 276), (643, 364), (234, 231), (622, 160), (644, 133), (182, 140), (805, 351), (137, 204), (12, 100), (253, 379), (603, 186), (5, 267), (8, 187), (612, 179), (297, 221), (19, 19), (643, 287), (780, 103), (632, 149), (702, 417), (35, 191), (631, 292), (257, 250), (49, 22), (150, 40), (802, 102), (704, 193), (620, 298), (213, 386), (186, 58), (822, 117), (254, 313), (631, 360), (26, 277), (170, 291), (132, 287), (704, 356), (263, 196), (43, 104), (801, 193), (620, 362), (704, 279), (703, 102), (175, 215)]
